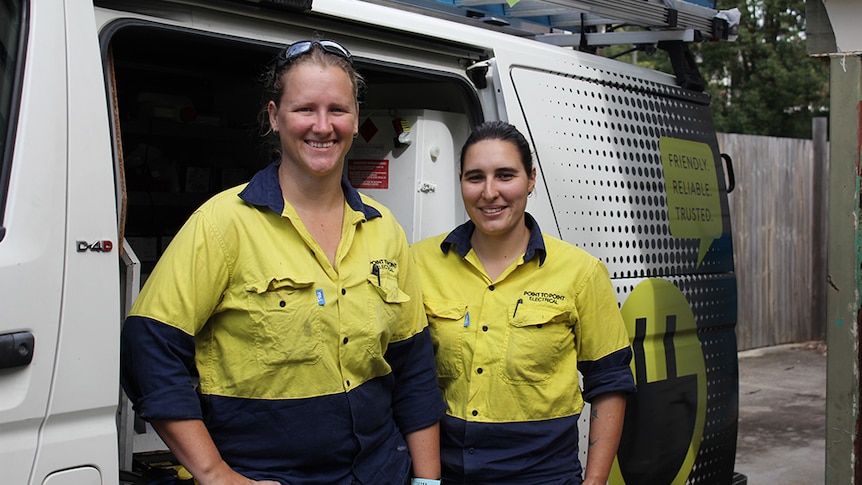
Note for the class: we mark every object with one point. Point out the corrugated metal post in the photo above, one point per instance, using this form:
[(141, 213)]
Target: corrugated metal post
[(844, 278)]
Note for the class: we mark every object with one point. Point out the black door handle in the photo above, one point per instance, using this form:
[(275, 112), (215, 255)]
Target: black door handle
[(731, 179), (16, 349)]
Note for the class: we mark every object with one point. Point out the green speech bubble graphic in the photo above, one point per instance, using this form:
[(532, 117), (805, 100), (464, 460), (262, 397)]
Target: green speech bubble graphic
[(691, 184)]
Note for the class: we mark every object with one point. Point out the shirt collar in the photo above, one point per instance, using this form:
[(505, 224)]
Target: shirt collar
[(263, 190), (460, 239)]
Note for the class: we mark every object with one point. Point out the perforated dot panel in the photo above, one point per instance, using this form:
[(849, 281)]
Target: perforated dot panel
[(597, 137), (597, 145)]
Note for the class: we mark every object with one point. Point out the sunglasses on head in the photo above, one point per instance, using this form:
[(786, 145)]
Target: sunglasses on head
[(291, 52)]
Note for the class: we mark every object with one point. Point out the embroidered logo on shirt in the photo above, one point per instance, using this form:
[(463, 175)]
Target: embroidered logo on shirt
[(385, 264), (541, 296)]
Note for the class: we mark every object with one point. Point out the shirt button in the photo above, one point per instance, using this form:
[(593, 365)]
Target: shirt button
[(484, 328), (479, 370), (343, 291), (282, 303), (472, 450), (348, 383), (475, 413), (491, 287), (345, 339)]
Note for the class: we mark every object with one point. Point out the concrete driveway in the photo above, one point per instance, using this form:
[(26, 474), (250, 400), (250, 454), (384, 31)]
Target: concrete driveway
[(782, 415)]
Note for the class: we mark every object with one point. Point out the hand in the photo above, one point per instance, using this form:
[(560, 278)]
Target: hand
[(230, 477), (193, 446)]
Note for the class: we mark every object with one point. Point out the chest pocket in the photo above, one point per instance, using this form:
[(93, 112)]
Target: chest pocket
[(286, 321), (446, 321), (537, 336), (384, 310), (387, 288)]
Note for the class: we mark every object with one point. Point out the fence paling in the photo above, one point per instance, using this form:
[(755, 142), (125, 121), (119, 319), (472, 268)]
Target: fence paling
[(775, 210)]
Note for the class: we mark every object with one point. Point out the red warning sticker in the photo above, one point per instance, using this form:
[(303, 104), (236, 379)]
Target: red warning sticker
[(368, 129), (368, 174)]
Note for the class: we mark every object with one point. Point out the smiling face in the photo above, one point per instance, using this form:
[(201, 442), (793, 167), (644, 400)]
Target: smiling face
[(315, 119), (495, 186)]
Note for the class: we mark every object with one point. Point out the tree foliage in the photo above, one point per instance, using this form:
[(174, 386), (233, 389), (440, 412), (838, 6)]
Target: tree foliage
[(764, 82)]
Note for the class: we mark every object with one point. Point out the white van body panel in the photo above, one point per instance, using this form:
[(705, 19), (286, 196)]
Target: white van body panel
[(81, 422), (32, 253)]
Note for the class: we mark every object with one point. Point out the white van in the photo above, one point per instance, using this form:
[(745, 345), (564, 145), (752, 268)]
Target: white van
[(118, 118)]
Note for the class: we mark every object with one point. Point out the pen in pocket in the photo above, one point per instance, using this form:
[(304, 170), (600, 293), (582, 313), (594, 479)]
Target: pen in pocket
[(375, 270)]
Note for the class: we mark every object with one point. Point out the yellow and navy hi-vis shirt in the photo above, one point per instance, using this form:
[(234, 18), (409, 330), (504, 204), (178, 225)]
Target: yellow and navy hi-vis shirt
[(307, 373), (508, 354)]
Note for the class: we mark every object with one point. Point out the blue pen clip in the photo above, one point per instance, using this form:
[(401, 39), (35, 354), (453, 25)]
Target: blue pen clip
[(467, 319), (320, 298)]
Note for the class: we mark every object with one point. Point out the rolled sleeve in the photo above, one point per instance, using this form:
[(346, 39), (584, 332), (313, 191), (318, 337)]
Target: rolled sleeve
[(157, 368), (608, 374), (417, 400)]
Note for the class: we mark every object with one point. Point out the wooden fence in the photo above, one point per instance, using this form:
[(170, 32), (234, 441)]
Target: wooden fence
[(778, 217)]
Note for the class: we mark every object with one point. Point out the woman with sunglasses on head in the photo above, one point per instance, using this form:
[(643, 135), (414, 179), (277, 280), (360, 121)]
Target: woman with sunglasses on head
[(514, 314), (293, 299)]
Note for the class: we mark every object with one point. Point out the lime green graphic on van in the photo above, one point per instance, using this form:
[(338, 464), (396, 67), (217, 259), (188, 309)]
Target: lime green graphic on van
[(665, 419), (693, 202)]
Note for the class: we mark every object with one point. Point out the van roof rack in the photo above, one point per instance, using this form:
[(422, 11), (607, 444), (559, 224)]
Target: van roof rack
[(593, 22)]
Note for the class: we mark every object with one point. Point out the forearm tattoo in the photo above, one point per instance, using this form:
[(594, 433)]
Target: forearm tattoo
[(594, 415)]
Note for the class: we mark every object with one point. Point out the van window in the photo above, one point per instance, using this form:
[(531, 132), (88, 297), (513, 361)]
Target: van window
[(11, 32)]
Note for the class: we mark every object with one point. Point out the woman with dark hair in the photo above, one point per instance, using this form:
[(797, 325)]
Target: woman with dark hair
[(292, 302), (514, 315)]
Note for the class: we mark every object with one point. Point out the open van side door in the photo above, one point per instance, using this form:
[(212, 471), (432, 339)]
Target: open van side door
[(629, 170), (59, 329)]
